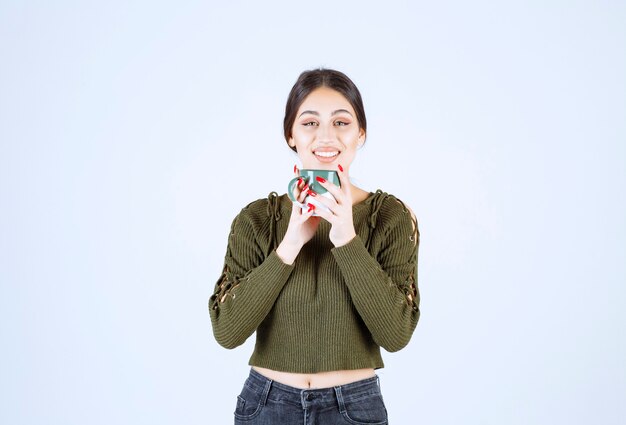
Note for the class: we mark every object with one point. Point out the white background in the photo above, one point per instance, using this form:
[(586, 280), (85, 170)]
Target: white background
[(133, 132)]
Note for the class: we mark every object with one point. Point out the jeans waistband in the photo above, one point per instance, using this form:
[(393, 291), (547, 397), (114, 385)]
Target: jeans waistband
[(307, 397)]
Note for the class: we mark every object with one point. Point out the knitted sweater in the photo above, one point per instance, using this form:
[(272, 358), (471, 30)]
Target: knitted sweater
[(334, 307)]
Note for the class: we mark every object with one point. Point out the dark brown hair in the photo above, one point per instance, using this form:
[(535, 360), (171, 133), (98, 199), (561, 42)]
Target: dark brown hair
[(314, 79)]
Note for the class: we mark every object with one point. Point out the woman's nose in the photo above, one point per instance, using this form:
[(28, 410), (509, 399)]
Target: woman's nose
[(325, 133)]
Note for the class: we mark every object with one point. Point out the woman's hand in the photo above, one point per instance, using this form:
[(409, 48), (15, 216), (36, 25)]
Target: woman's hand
[(340, 215), (301, 228)]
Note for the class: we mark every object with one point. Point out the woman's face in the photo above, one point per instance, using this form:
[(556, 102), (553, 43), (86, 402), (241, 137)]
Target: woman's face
[(326, 132)]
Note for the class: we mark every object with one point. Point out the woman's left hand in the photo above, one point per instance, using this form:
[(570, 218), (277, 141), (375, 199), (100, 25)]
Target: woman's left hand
[(340, 214)]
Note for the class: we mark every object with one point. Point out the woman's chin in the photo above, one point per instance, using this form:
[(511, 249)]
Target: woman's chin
[(323, 164)]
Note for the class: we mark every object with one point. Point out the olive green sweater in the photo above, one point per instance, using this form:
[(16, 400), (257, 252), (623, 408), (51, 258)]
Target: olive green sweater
[(334, 307)]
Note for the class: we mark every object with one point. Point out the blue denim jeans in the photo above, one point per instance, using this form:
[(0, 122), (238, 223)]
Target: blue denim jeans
[(266, 402)]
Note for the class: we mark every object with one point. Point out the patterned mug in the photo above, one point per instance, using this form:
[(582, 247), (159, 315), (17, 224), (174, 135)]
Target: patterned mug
[(309, 177)]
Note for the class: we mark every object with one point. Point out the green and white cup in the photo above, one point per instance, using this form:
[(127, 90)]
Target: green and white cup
[(309, 177)]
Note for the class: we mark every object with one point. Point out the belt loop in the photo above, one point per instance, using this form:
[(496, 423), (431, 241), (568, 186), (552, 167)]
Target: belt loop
[(266, 391), (342, 405)]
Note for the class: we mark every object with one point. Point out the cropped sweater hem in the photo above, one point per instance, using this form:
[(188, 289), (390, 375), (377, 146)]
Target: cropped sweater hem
[(297, 368)]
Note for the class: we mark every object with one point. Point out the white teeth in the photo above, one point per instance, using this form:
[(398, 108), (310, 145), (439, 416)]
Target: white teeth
[(327, 154)]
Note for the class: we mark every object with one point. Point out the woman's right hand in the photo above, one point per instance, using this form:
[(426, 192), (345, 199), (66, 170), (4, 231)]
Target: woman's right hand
[(302, 226)]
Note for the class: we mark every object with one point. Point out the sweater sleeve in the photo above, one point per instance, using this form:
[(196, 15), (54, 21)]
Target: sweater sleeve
[(248, 287), (384, 289)]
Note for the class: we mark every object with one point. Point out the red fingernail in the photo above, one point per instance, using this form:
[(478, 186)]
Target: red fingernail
[(310, 192), (306, 186), (340, 168), (320, 179), (295, 168), (311, 207)]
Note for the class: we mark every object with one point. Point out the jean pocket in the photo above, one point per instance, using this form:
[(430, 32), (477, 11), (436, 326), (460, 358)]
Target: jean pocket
[(248, 404), (369, 410)]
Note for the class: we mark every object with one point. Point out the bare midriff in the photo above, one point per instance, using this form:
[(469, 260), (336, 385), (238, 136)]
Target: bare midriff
[(316, 380)]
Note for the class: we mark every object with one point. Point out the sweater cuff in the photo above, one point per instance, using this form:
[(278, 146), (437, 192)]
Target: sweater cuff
[(274, 269), (363, 275), (349, 252), (354, 260)]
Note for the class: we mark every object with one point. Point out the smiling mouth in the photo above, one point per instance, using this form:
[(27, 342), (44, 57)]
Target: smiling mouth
[(328, 154)]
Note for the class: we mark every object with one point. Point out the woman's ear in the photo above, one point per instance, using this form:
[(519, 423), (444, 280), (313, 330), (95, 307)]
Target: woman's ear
[(361, 137), (292, 144)]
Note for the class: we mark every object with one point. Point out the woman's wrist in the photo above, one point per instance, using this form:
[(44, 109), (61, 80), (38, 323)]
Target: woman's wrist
[(344, 241), (288, 252)]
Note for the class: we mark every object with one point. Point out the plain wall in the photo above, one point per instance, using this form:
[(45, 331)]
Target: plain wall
[(132, 133)]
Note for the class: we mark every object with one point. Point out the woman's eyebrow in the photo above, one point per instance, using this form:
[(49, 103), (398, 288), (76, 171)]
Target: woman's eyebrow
[(318, 114)]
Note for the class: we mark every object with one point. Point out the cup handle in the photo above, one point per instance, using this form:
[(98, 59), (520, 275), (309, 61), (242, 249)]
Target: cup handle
[(290, 187)]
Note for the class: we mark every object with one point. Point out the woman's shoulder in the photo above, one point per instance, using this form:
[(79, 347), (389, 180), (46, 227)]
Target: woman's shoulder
[(262, 209), (258, 220), (390, 205), (388, 212)]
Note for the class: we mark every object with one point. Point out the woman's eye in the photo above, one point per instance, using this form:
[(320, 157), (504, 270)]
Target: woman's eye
[(309, 124), (341, 123)]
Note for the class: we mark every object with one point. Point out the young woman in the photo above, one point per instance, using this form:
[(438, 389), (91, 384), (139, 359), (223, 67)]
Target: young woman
[(323, 292)]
